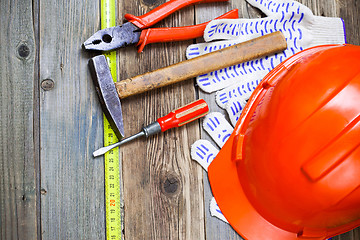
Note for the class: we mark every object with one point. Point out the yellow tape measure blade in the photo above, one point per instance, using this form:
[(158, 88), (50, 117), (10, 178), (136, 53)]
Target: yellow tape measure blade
[(112, 160)]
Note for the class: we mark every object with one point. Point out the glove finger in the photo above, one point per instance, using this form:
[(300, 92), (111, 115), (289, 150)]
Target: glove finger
[(243, 78), (240, 80), (273, 7), (250, 29), (283, 15), (215, 210), (214, 81), (217, 127), (203, 152), (253, 71), (195, 50), (240, 90), (265, 6), (234, 109), (234, 29)]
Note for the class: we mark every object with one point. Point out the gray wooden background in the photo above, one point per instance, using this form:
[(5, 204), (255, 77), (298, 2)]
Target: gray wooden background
[(50, 185)]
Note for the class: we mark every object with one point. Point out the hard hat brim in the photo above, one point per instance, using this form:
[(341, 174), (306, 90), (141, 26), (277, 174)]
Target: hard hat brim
[(233, 202), (223, 172)]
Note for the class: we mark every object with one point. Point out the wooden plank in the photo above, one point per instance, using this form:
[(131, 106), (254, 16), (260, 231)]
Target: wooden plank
[(215, 228), (163, 193), (72, 181), (163, 187), (351, 235), (18, 155), (348, 10)]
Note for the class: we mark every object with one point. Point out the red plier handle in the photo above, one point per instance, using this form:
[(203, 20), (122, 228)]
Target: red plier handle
[(161, 12), (152, 35), (136, 30)]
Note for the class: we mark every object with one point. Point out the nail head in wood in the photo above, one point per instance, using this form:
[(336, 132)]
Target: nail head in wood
[(47, 84), (43, 191)]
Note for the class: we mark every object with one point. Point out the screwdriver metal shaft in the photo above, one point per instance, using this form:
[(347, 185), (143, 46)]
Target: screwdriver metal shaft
[(147, 131), (175, 118), (103, 150)]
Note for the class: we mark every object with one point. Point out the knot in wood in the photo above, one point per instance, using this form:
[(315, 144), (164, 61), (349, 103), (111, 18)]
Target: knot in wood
[(171, 185), (23, 51)]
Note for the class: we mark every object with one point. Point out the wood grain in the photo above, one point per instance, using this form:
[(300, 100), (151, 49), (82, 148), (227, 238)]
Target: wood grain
[(349, 11), (163, 192), (18, 155), (72, 181), (215, 228)]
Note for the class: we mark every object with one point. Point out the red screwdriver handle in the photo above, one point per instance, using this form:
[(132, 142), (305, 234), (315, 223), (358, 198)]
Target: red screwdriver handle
[(162, 12), (152, 35), (184, 115)]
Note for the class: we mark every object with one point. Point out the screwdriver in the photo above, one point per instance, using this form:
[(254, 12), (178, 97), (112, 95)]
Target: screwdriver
[(176, 118)]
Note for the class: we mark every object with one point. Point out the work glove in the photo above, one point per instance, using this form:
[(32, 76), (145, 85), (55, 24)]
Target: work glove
[(301, 29), (204, 152), (235, 84)]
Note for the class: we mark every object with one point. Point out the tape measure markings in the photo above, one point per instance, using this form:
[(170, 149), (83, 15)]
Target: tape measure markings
[(112, 160)]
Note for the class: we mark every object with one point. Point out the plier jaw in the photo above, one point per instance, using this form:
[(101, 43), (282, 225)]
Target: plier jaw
[(114, 37), (137, 31)]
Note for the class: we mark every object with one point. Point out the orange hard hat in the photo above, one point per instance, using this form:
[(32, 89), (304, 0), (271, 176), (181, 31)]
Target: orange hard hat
[(291, 168)]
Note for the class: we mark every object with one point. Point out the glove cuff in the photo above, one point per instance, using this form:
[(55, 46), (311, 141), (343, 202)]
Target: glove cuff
[(327, 30)]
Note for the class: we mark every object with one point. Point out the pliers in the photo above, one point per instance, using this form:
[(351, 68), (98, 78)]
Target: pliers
[(137, 31)]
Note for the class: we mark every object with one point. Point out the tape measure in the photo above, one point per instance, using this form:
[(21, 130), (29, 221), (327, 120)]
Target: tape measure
[(112, 160)]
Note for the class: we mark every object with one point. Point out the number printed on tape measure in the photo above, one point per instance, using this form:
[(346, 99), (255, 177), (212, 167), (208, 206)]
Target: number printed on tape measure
[(112, 161)]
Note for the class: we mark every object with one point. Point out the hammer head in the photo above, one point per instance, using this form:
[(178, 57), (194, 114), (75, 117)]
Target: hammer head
[(105, 88)]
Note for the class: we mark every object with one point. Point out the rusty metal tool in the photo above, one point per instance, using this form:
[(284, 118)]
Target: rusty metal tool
[(110, 93), (137, 31), (176, 118)]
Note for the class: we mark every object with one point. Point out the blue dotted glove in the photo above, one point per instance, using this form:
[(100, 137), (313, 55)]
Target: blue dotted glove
[(204, 152), (301, 29)]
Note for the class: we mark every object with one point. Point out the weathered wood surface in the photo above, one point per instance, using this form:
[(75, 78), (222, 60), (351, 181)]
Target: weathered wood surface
[(162, 186), (72, 181), (19, 141), (51, 122)]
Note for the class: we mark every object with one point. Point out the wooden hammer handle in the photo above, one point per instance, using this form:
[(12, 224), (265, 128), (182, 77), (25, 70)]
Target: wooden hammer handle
[(239, 53)]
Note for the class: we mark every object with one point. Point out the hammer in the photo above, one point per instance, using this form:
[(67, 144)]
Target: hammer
[(110, 93)]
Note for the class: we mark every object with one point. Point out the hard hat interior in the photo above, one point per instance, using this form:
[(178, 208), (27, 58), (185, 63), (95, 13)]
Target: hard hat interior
[(290, 169)]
